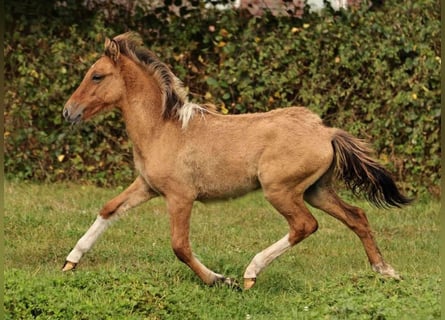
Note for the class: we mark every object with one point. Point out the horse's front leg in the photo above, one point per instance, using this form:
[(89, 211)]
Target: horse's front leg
[(137, 193), (180, 212)]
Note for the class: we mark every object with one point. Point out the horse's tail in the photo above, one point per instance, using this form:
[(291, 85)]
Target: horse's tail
[(362, 174)]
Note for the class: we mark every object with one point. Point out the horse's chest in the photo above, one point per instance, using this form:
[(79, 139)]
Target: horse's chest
[(146, 168)]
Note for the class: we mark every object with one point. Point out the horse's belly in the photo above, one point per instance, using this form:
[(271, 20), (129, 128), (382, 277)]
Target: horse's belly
[(225, 189)]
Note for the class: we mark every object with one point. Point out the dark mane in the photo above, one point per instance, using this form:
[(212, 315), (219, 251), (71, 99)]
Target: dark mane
[(174, 95)]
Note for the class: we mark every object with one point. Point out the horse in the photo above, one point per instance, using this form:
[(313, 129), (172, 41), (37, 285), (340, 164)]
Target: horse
[(186, 152)]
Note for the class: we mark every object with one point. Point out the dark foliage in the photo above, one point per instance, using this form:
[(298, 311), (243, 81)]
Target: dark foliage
[(371, 71)]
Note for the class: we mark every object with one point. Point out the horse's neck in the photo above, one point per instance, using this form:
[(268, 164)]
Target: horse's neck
[(140, 120), (142, 109)]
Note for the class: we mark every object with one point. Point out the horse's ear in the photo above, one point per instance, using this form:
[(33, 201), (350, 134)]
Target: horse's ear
[(112, 49)]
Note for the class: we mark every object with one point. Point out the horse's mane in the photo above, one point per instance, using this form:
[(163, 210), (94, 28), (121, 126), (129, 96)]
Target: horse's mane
[(175, 103)]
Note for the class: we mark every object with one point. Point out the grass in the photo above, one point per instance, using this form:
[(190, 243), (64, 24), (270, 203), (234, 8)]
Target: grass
[(132, 272)]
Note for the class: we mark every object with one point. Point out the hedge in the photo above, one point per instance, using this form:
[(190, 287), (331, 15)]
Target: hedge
[(374, 71)]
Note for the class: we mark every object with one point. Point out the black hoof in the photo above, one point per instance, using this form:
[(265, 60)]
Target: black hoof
[(228, 282)]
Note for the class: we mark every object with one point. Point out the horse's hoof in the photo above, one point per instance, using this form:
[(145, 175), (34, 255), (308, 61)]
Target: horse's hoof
[(249, 283), (386, 270), (68, 266), (230, 282)]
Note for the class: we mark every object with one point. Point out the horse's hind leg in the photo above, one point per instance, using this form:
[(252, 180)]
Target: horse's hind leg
[(301, 225), (324, 198), (137, 193)]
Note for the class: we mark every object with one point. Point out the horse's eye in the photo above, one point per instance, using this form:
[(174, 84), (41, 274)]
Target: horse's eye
[(97, 77)]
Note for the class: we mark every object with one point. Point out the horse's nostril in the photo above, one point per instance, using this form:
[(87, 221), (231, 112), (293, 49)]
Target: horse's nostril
[(65, 113), (72, 112)]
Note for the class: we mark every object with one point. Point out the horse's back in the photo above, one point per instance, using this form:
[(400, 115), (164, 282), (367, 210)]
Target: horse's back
[(293, 130)]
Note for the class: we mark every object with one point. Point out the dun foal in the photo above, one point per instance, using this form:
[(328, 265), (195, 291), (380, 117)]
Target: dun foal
[(185, 152)]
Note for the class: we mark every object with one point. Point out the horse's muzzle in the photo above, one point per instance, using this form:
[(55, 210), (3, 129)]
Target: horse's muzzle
[(73, 112)]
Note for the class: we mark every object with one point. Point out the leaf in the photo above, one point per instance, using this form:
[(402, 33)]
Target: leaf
[(212, 82)]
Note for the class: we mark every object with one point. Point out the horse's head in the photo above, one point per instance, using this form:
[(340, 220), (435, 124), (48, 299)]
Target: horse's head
[(101, 88)]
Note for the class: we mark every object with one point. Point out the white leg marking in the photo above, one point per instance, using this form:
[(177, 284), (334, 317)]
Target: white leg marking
[(265, 257), (211, 277), (89, 238), (386, 270)]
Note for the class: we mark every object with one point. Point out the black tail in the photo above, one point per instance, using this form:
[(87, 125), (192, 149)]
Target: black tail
[(362, 174)]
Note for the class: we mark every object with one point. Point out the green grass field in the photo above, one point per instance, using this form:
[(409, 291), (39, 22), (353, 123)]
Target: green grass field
[(132, 272)]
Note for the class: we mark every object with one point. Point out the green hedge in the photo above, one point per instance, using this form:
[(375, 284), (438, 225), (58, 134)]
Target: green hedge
[(372, 71)]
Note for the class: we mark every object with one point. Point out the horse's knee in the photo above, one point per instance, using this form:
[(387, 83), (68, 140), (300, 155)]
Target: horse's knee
[(109, 208), (312, 226), (303, 230)]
